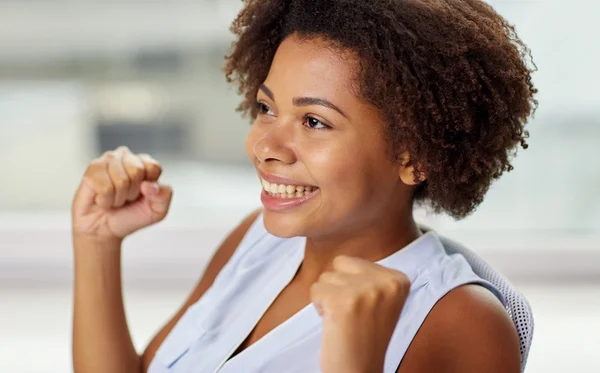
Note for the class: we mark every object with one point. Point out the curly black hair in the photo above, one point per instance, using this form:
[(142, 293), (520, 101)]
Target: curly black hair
[(451, 77)]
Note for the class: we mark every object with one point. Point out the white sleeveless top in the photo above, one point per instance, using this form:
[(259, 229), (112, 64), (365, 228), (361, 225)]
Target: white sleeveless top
[(260, 268)]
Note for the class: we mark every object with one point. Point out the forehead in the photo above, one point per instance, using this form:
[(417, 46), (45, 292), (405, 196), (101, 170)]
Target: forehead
[(312, 67)]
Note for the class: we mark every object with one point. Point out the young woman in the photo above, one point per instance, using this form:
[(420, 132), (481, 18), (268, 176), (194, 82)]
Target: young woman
[(361, 109)]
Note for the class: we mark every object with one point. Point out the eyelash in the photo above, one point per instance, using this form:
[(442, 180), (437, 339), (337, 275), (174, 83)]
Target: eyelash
[(260, 109)]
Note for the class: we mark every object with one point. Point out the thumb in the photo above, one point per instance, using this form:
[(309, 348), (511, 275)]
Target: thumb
[(157, 196)]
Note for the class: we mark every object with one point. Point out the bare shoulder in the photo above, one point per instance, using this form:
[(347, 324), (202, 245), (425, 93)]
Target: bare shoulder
[(467, 331), (217, 262)]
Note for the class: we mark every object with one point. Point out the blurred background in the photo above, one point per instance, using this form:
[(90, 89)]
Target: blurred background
[(79, 77)]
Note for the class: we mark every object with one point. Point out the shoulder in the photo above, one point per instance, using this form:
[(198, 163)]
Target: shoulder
[(468, 330)]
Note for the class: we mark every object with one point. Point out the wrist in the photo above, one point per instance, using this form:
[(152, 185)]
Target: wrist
[(95, 250), (90, 242)]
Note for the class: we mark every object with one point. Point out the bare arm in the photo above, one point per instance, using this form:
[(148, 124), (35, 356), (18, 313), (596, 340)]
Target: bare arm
[(101, 338), (119, 194), (468, 331)]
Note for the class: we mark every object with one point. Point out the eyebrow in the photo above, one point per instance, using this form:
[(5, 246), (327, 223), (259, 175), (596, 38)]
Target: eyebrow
[(267, 92), (305, 101)]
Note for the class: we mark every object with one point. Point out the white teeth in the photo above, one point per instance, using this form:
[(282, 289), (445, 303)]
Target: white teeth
[(286, 191), (266, 185)]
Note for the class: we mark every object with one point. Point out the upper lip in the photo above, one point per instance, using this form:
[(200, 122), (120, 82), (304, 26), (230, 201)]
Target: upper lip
[(275, 179)]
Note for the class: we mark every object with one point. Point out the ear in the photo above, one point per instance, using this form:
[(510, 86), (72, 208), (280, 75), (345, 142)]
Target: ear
[(407, 171)]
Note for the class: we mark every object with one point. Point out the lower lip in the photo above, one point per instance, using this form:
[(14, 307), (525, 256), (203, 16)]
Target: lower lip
[(281, 204)]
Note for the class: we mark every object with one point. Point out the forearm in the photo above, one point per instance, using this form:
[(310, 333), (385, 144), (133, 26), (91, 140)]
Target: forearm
[(101, 339)]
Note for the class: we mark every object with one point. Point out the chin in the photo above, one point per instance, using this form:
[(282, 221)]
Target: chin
[(283, 225)]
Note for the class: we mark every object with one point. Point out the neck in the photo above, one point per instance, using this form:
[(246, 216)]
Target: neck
[(374, 241)]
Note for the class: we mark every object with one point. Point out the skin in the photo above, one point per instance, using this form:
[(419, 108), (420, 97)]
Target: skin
[(362, 213), (362, 202), (117, 196)]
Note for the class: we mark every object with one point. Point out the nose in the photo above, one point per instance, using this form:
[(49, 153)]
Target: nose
[(275, 144)]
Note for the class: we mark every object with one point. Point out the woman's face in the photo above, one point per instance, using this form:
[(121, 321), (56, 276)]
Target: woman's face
[(319, 148)]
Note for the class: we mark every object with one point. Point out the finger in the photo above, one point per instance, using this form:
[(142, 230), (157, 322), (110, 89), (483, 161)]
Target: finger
[(340, 279), (322, 296), (319, 309), (348, 264), (153, 168), (134, 167), (122, 150), (96, 178), (119, 178), (158, 196)]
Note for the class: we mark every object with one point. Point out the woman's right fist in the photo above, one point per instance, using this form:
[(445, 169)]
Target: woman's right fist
[(119, 195)]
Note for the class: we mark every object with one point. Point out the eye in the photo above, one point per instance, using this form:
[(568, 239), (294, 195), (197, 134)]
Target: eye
[(261, 108), (315, 124)]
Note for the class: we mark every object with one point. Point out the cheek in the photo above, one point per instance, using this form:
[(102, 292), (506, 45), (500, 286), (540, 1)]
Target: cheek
[(343, 175), (353, 175)]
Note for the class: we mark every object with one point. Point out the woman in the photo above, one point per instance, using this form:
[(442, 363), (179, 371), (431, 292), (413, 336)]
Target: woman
[(361, 109)]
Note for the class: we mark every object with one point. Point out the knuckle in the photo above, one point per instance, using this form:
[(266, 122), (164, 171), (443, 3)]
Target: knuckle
[(340, 261), (403, 279), (137, 173), (147, 158), (98, 161), (99, 186), (399, 284), (324, 276), (154, 170), (373, 296), (352, 302), (109, 155), (90, 181), (121, 183), (154, 167), (146, 155), (393, 285), (95, 165), (106, 190)]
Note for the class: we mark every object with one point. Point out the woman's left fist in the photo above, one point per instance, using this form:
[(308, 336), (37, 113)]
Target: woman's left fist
[(360, 303)]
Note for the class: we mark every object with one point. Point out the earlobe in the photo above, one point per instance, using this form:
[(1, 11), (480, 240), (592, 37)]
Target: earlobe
[(407, 171)]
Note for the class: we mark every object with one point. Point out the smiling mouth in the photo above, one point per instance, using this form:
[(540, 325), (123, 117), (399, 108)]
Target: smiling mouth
[(287, 191)]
